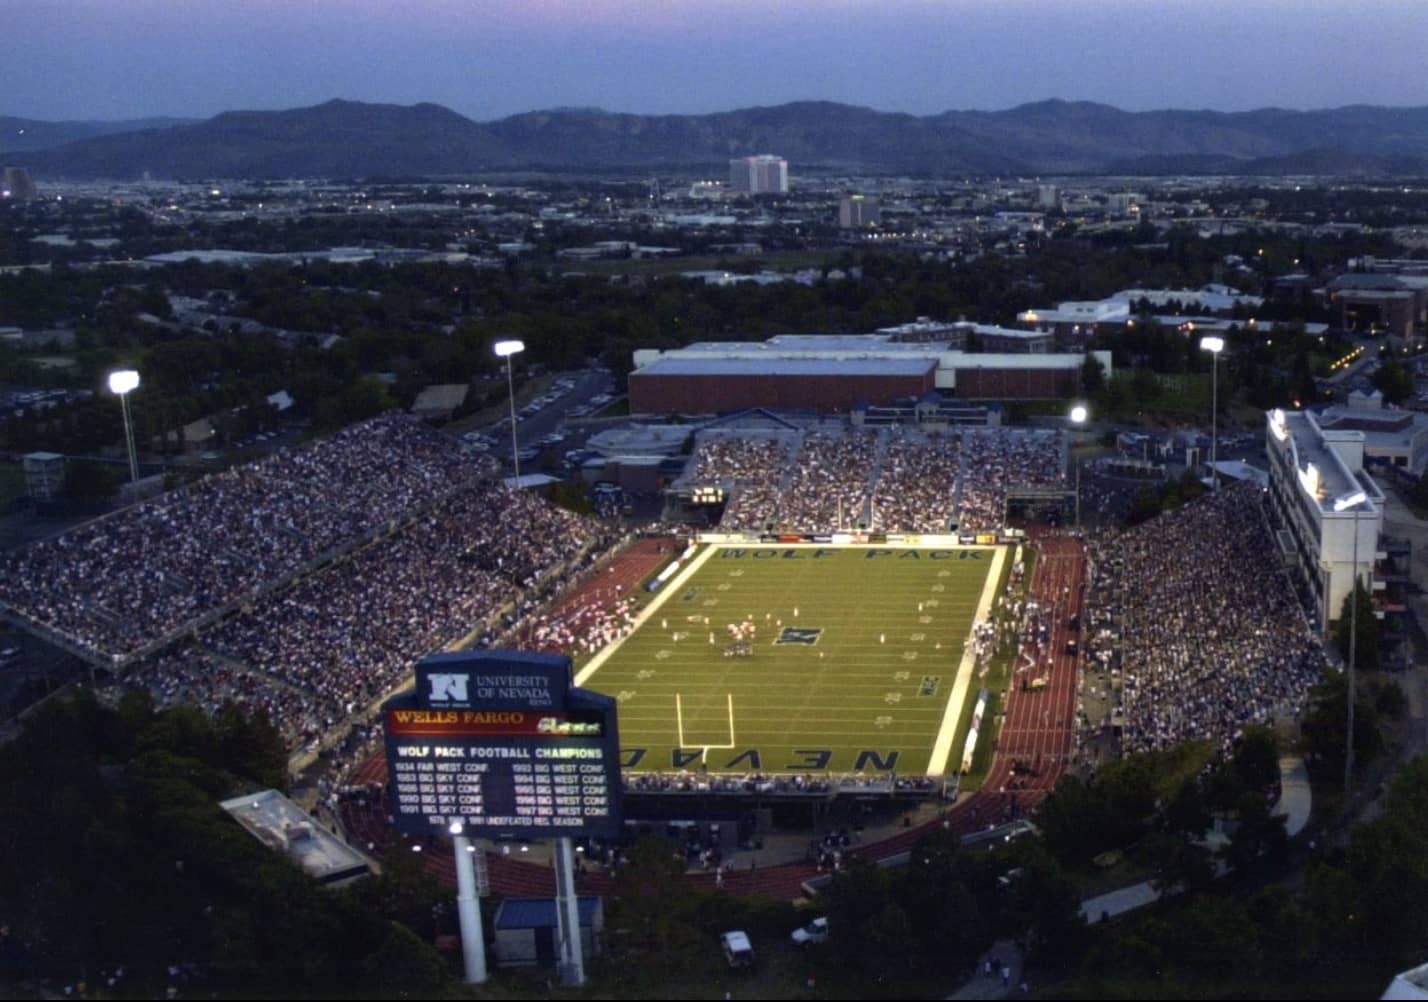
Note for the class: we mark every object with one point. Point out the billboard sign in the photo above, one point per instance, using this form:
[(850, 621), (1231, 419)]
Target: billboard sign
[(502, 742)]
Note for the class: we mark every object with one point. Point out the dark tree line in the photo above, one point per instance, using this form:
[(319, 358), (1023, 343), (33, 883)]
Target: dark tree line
[(114, 853)]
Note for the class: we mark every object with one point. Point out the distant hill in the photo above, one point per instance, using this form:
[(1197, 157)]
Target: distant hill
[(336, 139), (26, 134), (1323, 162), (351, 139)]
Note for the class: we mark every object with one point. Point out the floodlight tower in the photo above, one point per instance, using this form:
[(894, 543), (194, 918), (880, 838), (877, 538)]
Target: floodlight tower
[(121, 383), (1214, 345), (505, 349), (1078, 415)]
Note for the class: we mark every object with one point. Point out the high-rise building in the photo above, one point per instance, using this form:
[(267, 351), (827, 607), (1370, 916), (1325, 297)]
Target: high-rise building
[(858, 212), (761, 175)]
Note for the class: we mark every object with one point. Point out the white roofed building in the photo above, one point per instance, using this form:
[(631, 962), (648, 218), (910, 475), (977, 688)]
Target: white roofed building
[(1327, 512)]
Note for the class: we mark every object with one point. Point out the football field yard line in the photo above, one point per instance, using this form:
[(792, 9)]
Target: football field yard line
[(666, 591), (679, 720), (942, 747)]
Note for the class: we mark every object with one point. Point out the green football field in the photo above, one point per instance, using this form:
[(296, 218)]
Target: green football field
[(852, 663)]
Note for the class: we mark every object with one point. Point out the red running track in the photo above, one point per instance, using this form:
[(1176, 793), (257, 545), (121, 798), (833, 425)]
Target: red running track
[(613, 578), (1040, 722), (1037, 731)]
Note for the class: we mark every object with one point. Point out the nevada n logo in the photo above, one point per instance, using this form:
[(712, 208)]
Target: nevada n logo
[(798, 635), (449, 687)]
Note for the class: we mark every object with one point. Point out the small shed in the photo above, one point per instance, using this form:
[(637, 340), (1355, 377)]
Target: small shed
[(526, 931)]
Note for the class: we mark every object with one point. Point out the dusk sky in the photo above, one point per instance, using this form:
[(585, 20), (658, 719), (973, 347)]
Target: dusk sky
[(110, 59)]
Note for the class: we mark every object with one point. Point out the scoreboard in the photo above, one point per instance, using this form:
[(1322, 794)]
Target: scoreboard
[(501, 742)]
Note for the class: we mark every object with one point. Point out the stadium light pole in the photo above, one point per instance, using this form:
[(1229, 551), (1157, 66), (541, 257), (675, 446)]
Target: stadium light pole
[(505, 349), (1078, 415), (1214, 345), (1357, 497), (122, 382)]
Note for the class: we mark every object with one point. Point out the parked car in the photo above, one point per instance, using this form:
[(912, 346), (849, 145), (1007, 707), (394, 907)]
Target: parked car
[(738, 951), (814, 932)]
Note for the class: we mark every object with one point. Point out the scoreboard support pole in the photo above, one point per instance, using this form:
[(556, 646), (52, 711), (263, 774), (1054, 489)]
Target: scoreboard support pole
[(468, 910), (567, 913)]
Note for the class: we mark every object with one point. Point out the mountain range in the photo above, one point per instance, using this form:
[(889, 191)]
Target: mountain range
[(344, 139), (18, 135)]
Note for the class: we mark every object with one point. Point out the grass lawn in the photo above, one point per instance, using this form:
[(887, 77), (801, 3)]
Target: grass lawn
[(1184, 394), (851, 663)]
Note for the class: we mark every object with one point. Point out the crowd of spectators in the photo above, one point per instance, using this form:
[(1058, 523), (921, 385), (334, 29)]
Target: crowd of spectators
[(319, 651), (917, 479), (997, 460), (1211, 638), (189, 674), (830, 484), (751, 469), (685, 782), (119, 583)]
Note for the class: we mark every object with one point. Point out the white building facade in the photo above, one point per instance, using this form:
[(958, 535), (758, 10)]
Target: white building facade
[(1327, 512)]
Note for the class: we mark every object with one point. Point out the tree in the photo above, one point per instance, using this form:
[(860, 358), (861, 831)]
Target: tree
[(649, 900), (1187, 815), (1178, 863), (1394, 380), (1325, 726), (1045, 904), (85, 480), (1258, 834), (1076, 821), (1367, 647), (1093, 375), (934, 890), (1145, 387), (1256, 759), (1388, 859), (571, 497)]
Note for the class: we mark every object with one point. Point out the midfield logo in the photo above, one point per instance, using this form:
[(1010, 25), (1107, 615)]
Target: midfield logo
[(807, 636)]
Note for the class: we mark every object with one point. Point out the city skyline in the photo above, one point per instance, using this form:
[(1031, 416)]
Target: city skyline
[(116, 59)]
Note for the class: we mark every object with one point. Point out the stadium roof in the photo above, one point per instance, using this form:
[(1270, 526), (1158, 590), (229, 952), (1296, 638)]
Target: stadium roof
[(1323, 469), (637, 439), (788, 367), (797, 344), (847, 342)]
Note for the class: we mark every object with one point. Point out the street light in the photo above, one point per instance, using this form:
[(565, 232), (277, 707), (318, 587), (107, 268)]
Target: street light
[(505, 349), (1078, 415), (121, 383), (1214, 345)]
